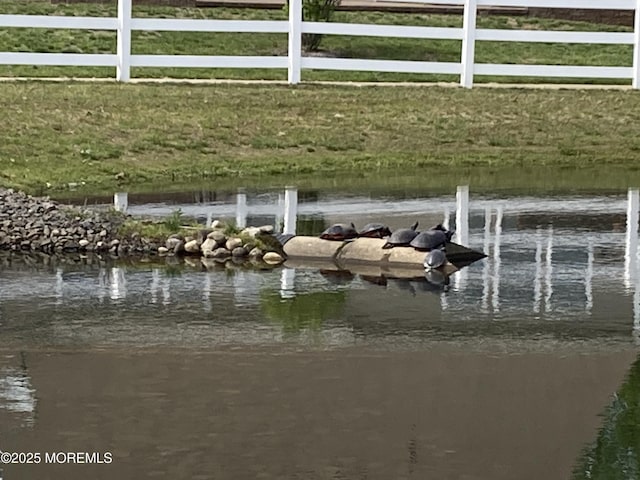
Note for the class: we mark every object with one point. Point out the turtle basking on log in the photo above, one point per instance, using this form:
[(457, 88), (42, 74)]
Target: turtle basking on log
[(340, 232), (402, 237), (374, 230), (432, 239)]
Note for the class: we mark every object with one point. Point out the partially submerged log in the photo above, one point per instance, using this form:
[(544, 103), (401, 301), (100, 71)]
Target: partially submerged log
[(369, 251)]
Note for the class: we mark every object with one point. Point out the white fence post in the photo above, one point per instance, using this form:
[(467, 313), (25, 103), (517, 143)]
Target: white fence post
[(120, 201), (636, 47), (295, 40), (468, 42), (241, 208), (462, 214), (290, 210), (123, 71)]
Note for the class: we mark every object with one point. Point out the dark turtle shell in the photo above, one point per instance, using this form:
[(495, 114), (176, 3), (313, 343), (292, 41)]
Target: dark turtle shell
[(374, 230), (402, 237), (448, 233), (429, 240), (339, 232), (434, 259)]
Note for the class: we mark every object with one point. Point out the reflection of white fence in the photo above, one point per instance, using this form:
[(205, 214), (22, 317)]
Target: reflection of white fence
[(631, 259), (295, 62), (547, 295)]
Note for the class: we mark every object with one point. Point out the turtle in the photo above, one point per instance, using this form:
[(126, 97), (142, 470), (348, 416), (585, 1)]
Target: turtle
[(429, 240), (447, 233), (340, 232), (434, 259), (402, 237), (374, 230)]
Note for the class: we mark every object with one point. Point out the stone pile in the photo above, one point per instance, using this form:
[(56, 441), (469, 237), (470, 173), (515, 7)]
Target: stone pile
[(216, 244), (38, 224)]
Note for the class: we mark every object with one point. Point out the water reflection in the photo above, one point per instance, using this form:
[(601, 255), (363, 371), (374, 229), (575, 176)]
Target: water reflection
[(307, 371), (543, 264), (17, 396)]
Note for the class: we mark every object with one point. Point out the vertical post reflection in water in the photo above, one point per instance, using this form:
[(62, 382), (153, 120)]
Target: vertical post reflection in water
[(59, 286), (166, 289), (447, 218), (444, 301), (631, 244), (537, 282), (486, 269), (548, 278), (155, 284), (241, 208), (243, 288), (287, 280), (290, 210), (631, 256), (103, 280), (588, 277), (117, 283), (495, 293), (206, 292), (17, 394), (636, 308)]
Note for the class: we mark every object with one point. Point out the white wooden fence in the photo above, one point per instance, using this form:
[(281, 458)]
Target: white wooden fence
[(294, 62)]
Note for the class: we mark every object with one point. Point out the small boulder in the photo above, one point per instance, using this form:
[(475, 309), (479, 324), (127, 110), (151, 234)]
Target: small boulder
[(272, 258), (192, 247), (232, 243), (208, 246), (266, 229), (163, 250), (218, 236)]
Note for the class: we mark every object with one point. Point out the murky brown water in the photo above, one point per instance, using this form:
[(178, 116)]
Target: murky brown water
[(183, 372), (355, 413)]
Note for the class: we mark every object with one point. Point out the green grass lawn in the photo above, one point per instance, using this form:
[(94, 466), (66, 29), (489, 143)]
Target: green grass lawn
[(198, 43), (167, 134)]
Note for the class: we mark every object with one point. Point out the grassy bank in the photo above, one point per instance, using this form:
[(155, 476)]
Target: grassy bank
[(106, 136), (100, 137)]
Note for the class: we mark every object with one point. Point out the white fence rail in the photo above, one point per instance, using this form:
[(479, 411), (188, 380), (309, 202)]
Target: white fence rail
[(295, 62)]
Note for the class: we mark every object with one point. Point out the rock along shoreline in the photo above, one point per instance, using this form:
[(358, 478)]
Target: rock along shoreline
[(37, 224)]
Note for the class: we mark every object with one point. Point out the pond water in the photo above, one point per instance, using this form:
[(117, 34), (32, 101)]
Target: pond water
[(523, 366)]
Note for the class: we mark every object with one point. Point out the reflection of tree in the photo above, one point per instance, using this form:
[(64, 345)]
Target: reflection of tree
[(306, 310), (615, 454)]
